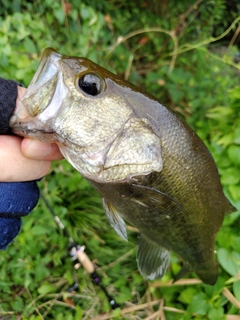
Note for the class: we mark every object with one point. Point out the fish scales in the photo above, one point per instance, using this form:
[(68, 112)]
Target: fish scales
[(149, 167)]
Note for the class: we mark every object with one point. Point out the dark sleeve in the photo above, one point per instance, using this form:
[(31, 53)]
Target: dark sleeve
[(8, 97), (17, 199)]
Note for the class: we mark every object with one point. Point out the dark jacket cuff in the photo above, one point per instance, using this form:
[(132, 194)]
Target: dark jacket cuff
[(9, 229), (17, 198), (8, 97)]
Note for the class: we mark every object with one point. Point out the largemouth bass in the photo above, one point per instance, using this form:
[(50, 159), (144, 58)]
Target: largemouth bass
[(149, 167)]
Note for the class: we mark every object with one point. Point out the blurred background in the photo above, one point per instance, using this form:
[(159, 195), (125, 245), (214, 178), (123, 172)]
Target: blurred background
[(187, 54)]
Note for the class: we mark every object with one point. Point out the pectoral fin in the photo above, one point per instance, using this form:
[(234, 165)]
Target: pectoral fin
[(115, 220), (153, 198), (152, 259)]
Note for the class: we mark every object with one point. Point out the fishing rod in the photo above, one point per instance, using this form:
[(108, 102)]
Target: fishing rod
[(80, 258)]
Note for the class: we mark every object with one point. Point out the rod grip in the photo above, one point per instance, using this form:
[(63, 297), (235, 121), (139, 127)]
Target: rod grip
[(85, 261)]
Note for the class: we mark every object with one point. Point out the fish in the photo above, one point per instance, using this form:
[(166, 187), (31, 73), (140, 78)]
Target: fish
[(150, 168)]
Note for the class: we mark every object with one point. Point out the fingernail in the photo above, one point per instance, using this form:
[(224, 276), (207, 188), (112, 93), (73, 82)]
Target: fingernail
[(37, 149)]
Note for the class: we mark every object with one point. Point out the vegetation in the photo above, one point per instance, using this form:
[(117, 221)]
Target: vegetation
[(186, 54)]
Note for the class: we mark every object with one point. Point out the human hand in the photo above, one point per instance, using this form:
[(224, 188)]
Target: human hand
[(25, 159)]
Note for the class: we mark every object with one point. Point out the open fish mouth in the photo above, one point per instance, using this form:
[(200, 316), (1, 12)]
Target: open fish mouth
[(42, 99), (42, 88)]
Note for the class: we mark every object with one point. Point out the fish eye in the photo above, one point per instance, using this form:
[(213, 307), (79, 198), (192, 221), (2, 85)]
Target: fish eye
[(91, 84)]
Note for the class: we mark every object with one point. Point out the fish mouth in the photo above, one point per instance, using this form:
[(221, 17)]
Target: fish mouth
[(27, 126), (20, 131), (42, 88), (26, 130), (42, 100)]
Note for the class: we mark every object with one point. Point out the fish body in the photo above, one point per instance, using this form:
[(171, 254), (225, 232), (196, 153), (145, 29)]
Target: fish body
[(149, 167)]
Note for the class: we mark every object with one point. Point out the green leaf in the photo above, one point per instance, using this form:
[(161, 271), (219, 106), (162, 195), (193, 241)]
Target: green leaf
[(187, 295), (216, 314), (226, 139), (230, 176), (230, 261), (46, 287), (220, 113), (60, 15), (234, 191), (236, 290), (199, 304), (234, 155), (235, 93), (29, 45), (39, 230), (17, 304), (232, 218), (79, 313)]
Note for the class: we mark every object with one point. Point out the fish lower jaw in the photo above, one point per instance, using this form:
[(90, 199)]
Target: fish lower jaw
[(114, 174), (92, 166), (41, 135), (124, 172)]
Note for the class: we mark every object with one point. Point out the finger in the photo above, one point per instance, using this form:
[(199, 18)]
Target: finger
[(14, 166), (37, 150)]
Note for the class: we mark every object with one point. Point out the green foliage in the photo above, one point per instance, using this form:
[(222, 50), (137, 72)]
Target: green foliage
[(176, 50)]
